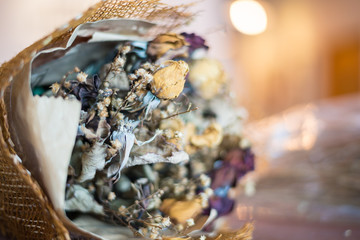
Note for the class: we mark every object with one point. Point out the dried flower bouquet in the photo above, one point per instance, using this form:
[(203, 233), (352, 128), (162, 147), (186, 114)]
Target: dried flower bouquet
[(141, 130)]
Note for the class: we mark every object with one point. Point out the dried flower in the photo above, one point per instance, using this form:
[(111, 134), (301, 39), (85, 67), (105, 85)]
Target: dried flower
[(81, 77), (55, 87), (207, 76), (190, 222), (166, 222), (165, 42), (111, 196), (202, 237), (195, 41), (107, 101), (211, 137), (169, 81), (209, 192), (205, 180), (180, 211), (116, 144)]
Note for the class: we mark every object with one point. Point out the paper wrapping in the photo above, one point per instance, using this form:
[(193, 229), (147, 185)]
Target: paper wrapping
[(39, 131)]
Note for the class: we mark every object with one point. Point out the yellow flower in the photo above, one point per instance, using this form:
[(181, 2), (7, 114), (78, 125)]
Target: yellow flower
[(169, 81)]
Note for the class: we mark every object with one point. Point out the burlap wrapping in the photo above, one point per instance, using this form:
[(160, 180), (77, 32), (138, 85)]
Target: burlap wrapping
[(25, 211)]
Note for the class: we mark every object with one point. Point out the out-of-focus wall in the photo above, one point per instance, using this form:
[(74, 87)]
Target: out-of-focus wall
[(23, 22), (310, 51)]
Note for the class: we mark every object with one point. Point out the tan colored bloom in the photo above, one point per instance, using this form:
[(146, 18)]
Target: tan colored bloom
[(211, 137), (55, 87), (181, 211), (81, 77), (169, 81), (107, 101), (207, 76), (164, 42)]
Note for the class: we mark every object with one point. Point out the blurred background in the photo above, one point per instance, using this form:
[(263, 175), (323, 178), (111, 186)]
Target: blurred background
[(309, 50), (294, 65)]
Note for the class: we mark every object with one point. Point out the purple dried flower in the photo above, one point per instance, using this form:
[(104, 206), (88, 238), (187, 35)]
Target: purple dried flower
[(235, 165), (223, 205), (195, 41), (87, 91)]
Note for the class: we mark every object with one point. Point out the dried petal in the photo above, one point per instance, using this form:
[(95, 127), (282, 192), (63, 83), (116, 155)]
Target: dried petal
[(207, 76), (92, 161), (169, 81), (80, 199)]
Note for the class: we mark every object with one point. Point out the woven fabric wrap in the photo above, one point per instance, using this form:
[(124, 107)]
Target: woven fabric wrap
[(25, 212)]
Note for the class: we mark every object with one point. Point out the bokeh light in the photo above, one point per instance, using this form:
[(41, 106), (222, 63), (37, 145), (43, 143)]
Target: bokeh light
[(248, 17)]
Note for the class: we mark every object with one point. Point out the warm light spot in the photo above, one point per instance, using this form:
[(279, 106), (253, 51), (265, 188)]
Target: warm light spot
[(248, 17)]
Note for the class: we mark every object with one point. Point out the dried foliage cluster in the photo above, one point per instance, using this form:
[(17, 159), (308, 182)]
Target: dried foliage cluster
[(159, 142)]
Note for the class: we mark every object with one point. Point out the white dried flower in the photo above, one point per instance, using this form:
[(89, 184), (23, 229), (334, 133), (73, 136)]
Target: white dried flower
[(190, 196), (100, 106), (116, 102), (154, 234), (190, 222), (168, 134), (131, 97), (166, 222), (107, 101), (178, 134), (140, 72), (125, 49), (67, 84), (119, 117), (119, 62), (104, 113), (122, 209), (116, 144), (179, 227), (205, 180), (55, 87), (209, 192), (163, 114), (111, 196), (204, 200), (81, 77), (202, 237), (245, 143), (148, 77), (132, 77), (106, 84), (146, 65)]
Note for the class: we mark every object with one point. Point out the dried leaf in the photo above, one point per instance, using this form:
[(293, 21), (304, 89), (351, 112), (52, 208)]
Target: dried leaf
[(79, 199), (149, 158), (92, 161), (102, 132)]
